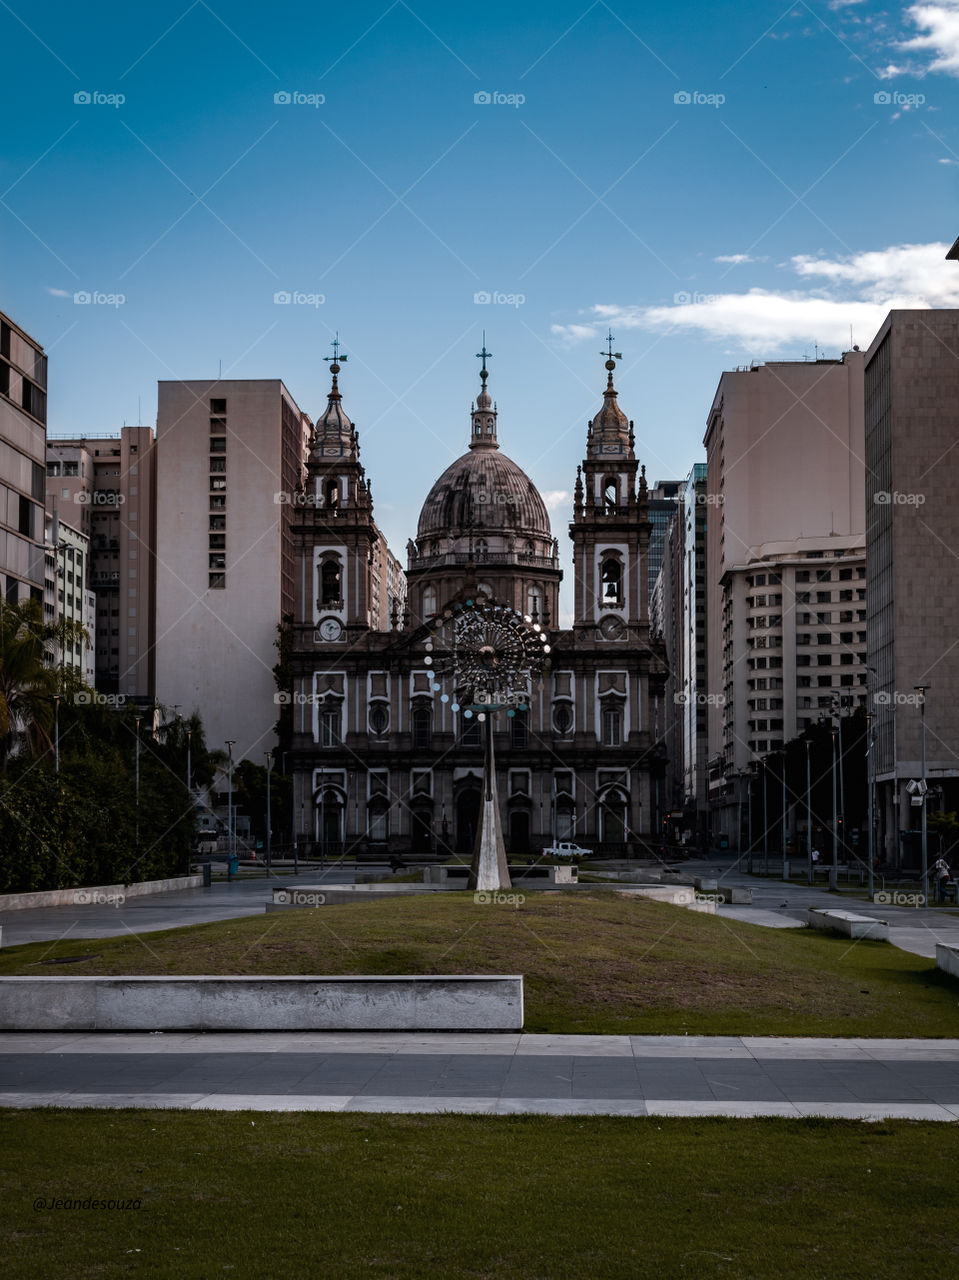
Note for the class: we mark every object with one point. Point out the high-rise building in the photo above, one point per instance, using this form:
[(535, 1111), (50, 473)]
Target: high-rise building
[(785, 562), (230, 457), (68, 555), (912, 555), (105, 487), (663, 499), (23, 417)]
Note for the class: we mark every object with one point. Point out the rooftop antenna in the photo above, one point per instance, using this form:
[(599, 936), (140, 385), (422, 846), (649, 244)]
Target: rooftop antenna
[(139, 413), (219, 373)]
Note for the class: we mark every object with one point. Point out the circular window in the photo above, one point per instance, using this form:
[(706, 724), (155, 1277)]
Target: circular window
[(379, 719), (563, 717)]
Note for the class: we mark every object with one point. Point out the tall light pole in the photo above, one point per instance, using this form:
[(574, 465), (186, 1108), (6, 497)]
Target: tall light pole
[(230, 743), (809, 811), (785, 850), (921, 690), (189, 760), (869, 841), (56, 732), (749, 820), (269, 846), (138, 719), (834, 869), (765, 817)]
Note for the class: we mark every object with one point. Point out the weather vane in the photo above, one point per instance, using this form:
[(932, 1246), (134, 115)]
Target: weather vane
[(335, 360), (609, 352)]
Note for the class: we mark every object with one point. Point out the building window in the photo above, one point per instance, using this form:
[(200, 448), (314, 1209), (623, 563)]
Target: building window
[(217, 562), (217, 522), (379, 718), (519, 731), (429, 602), (563, 718), (218, 444), (612, 727), (534, 603), (218, 406), (218, 465), (218, 484), (217, 541), (422, 728), (470, 735), (610, 493), (332, 494), (330, 728), (217, 579)]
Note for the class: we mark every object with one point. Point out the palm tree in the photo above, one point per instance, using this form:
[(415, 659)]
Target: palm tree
[(29, 682)]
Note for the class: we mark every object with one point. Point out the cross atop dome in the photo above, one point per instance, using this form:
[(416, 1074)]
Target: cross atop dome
[(483, 433), (609, 432), (334, 433)]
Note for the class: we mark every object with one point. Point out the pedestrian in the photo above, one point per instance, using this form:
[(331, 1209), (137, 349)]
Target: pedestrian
[(943, 875), (815, 857)]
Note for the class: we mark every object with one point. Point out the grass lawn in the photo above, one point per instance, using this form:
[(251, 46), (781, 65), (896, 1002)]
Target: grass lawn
[(593, 963), (540, 1198)]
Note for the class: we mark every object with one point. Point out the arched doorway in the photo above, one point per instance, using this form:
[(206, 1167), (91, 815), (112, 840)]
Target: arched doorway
[(467, 820), (613, 811), (328, 810), (519, 832), (422, 831)]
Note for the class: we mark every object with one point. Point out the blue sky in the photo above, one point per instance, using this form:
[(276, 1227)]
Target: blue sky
[(719, 184)]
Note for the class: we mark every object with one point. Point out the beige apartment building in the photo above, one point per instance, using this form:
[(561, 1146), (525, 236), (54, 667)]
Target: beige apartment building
[(912, 544), (785, 563), (105, 488), (230, 464), (23, 415)]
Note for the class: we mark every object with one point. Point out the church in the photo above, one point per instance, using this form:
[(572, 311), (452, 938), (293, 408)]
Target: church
[(382, 765)]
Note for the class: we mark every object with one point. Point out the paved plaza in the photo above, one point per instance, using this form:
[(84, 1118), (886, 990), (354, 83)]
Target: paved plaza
[(488, 1074)]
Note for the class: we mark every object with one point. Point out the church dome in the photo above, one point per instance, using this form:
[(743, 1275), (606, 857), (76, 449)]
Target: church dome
[(485, 492)]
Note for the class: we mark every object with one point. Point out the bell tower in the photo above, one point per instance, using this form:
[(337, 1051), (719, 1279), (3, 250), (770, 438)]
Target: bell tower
[(336, 542), (611, 527)]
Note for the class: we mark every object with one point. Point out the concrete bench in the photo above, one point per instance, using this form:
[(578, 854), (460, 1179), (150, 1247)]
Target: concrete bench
[(947, 958), (420, 1003), (847, 923), (546, 872)]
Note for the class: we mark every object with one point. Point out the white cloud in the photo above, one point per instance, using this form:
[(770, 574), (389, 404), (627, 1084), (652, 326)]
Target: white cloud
[(940, 24), (854, 291), (558, 499), (735, 258), (59, 293)]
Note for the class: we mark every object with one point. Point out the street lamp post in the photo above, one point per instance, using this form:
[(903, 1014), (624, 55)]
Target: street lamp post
[(269, 823), (869, 842), (749, 821), (189, 760), (785, 851), (834, 869), (765, 818), (230, 742), (138, 719), (56, 732), (809, 811), (921, 690)]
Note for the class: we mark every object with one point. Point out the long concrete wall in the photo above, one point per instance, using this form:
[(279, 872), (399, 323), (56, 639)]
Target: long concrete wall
[(85, 895), (457, 1003)]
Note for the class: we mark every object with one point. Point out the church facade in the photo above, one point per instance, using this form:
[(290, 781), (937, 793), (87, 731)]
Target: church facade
[(382, 764)]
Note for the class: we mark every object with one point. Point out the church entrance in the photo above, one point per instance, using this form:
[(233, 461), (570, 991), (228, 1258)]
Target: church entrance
[(422, 833), (613, 818), (467, 821), (519, 832)]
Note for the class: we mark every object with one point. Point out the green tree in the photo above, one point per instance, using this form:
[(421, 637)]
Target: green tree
[(29, 683)]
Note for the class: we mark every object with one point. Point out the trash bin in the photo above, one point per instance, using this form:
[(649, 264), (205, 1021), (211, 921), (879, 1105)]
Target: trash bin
[(207, 870), (234, 865)]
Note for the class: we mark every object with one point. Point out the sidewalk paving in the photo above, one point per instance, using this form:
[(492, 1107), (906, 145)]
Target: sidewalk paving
[(489, 1074)]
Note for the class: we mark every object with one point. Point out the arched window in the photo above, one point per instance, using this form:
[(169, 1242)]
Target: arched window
[(612, 575), (519, 731), (379, 718), (429, 602), (610, 493), (530, 548), (563, 718), (534, 603), (481, 548), (332, 493), (330, 583)]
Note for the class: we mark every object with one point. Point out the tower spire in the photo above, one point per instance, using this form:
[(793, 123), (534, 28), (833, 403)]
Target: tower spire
[(334, 362), (609, 432), (483, 434)]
